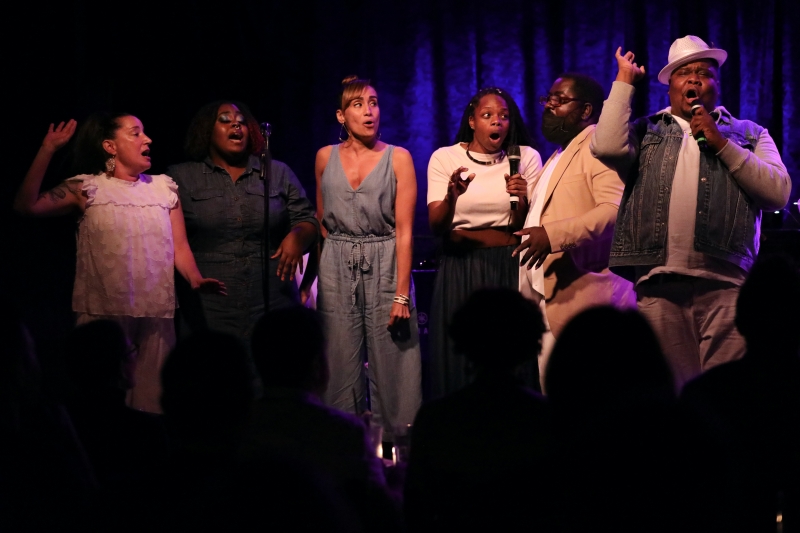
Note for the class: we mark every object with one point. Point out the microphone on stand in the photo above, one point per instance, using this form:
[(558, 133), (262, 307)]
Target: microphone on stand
[(702, 142), (513, 164), (266, 131), (266, 158)]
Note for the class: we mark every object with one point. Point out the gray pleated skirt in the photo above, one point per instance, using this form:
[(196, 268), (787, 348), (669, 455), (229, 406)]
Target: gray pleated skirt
[(460, 274)]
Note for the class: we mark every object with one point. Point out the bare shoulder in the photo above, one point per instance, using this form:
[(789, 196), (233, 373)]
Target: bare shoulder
[(321, 161), (324, 153), (402, 156)]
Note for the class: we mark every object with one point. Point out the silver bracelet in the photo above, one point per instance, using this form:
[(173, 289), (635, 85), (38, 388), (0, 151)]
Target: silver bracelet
[(401, 299)]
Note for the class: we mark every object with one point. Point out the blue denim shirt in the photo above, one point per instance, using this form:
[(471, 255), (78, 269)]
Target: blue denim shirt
[(746, 176), (728, 221), (227, 217), (225, 228)]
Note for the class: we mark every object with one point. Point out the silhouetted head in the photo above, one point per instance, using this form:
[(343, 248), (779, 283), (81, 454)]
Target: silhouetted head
[(289, 350), (605, 353), (207, 384), (98, 356), (497, 329), (768, 307)]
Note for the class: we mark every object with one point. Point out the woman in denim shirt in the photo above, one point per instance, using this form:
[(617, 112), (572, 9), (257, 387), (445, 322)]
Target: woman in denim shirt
[(223, 199)]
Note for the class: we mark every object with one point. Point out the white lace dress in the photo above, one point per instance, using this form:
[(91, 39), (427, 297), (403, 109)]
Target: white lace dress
[(125, 263), (125, 270)]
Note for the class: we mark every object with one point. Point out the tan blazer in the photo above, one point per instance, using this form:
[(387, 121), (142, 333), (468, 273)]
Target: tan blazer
[(579, 212)]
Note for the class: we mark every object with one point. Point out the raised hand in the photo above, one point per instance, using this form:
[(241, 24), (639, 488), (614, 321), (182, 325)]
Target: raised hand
[(629, 71), (457, 186), (58, 136)]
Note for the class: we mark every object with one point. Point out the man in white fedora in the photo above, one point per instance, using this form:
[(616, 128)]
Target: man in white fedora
[(696, 181)]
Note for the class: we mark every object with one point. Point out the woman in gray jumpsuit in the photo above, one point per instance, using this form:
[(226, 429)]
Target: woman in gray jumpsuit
[(366, 191)]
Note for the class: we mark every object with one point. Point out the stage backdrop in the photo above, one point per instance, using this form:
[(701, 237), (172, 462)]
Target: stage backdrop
[(162, 60)]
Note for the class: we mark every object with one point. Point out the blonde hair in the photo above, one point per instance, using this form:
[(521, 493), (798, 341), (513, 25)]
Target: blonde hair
[(352, 87)]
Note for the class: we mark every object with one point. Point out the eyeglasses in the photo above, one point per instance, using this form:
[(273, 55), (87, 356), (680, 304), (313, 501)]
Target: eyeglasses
[(556, 100)]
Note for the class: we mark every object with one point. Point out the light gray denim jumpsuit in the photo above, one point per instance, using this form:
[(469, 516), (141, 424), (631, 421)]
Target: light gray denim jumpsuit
[(357, 282)]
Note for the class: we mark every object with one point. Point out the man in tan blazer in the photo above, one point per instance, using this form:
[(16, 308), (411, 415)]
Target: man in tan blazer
[(573, 208)]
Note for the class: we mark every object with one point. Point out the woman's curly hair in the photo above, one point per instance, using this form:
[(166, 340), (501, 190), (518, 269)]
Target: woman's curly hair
[(198, 137)]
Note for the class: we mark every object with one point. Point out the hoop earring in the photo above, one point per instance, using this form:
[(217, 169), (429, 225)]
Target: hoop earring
[(379, 136), (342, 130), (111, 164)]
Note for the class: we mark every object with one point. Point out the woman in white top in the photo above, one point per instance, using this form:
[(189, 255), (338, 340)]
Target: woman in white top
[(131, 237), (469, 207)]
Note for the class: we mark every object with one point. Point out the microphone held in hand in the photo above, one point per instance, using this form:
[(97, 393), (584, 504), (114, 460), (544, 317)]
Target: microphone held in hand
[(702, 142), (513, 164)]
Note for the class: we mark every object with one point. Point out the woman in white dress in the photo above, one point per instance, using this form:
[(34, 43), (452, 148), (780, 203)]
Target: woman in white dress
[(131, 237)]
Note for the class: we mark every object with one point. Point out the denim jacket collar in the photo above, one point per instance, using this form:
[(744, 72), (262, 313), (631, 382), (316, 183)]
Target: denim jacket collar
[(722, 115), (253, 164)]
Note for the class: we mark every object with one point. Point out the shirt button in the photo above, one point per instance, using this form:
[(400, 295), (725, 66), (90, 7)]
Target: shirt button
[(703, 180), (235, 198), (238, 219)]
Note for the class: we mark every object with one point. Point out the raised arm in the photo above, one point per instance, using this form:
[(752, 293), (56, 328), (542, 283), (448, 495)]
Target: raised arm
[(441, 212), (612, 139), (65, 197), (404, 205), (184, 259)]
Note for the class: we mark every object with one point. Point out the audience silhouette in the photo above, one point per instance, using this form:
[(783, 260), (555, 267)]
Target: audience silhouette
[(626, 458), (611, 447), (126, 447), (478, 455), (753, 405), (290, 420), (46, 480)]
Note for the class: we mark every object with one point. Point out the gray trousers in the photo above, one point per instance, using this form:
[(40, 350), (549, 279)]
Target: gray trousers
[(357, 282), (693, 319)]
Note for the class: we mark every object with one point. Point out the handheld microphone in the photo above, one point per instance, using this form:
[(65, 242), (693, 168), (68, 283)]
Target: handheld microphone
[(702, 142), (513, 164)]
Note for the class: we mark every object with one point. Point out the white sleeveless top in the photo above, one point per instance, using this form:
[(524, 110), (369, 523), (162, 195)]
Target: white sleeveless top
[(126, 257)]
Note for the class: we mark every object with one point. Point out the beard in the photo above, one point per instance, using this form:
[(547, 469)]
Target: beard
[(560, 130)]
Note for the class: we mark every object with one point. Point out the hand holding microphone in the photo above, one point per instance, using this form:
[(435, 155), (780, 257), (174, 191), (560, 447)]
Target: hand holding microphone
[(705, 131), (513, 164), (699, 136)]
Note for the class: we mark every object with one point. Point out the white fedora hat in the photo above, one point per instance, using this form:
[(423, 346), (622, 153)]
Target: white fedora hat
[(688, 49)]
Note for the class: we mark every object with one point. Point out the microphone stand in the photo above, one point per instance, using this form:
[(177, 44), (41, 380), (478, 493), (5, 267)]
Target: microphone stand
[(266, 177)]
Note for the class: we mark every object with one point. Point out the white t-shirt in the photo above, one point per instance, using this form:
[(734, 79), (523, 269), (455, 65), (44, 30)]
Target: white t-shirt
[(486, 203), (126, 256)]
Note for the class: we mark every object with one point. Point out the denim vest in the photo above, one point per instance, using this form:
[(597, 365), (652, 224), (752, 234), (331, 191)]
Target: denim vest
[(728, 222)]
